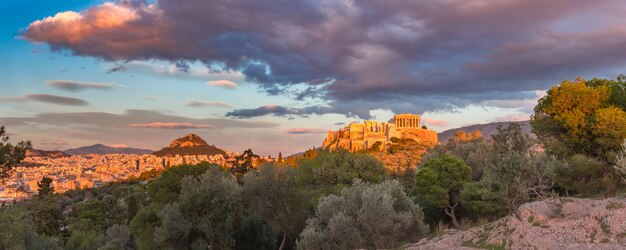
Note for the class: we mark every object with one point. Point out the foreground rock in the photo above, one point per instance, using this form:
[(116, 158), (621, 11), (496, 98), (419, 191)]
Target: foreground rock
[(564, 223)]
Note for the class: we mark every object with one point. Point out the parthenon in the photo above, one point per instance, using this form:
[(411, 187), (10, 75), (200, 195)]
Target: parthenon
[(377, 135)]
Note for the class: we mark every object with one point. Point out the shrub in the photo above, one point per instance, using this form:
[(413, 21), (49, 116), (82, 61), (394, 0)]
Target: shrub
[(364, 216)]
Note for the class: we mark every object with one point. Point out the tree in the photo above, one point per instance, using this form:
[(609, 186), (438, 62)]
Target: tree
[(273, 193), (330, 172), (18, 232), (620, 163), (242, 163), (439, 182), (373, 216), (45, 187), (583, 175), (280, 157), (254, 233), (205, 215), (515, 173), (582, 117), (10, 155), (167, 187)]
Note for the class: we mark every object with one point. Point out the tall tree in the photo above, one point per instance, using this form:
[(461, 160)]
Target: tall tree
[(515, 173), (45, 187), (439, 183), (242, 163), (584, 117), (273, 193), (10, 155)]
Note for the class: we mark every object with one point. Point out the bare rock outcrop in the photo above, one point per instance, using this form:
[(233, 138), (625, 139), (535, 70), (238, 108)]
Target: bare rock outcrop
[(560, 223)]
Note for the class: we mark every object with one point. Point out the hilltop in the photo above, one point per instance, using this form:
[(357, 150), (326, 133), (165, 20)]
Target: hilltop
[(561, 223), (100, 149), (44, 153), (191, 144), (486, 130)]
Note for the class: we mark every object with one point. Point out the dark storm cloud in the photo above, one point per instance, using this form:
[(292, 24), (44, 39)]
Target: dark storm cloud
[(373, 50), (45, 98), (75, 86)]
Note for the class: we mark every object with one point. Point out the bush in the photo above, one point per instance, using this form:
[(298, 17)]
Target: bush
[(585, 176), (365, 215)]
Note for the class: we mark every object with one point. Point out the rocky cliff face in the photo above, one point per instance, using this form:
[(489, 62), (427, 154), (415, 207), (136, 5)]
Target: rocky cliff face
[(564, 223), (190, 144)]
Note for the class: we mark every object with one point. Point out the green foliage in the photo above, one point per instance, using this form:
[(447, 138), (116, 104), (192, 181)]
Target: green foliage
[(46, 215), (620, 163), (143, 226), (330, 172), (205, 214), (45, 187), (439, 182), (582, 117), (365, 215), (515, 174), (480, 202), (18, 232), (243, 163), (254, 233), (166, 188), (273, 192), (586, 176), (10, 155)]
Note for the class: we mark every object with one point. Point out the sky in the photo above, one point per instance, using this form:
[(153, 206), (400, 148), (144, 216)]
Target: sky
[(276, 75)]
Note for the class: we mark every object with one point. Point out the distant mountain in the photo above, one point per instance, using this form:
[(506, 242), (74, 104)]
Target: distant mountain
[(44, 153), (486, 129), (190, 144), (103, 150)]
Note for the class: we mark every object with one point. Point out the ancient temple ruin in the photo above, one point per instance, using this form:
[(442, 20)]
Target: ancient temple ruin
[(376, 135)]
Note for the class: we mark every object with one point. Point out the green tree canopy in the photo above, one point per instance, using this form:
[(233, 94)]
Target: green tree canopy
[(273, 193), (330, 172), (439, 183), (372, 216), (10, 155), (166, 188)]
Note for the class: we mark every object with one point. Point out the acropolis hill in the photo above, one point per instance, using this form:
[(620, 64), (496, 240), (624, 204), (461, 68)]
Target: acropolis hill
[(379, 135)]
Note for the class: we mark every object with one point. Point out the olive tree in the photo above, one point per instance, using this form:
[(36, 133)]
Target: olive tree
[(365, 215), (10, 155)]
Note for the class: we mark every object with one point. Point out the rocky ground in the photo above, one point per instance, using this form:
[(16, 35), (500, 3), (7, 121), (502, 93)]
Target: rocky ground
[(561, 223)]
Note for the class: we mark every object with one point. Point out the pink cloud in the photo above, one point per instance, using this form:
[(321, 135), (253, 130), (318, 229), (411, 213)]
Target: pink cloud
[(299, 131), (168, 125), (118, 145), (226, 84), (435, 122), (513, 118)]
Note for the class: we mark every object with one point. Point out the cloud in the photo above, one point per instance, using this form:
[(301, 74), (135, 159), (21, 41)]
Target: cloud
[(118, 145), (434, 122), (153, 98), (513, 118), (199, 104), (363, 51), (132, 116), (75, 86), (276, 110), (168, 125), (298, 131), (226, 84), (45, 98)]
